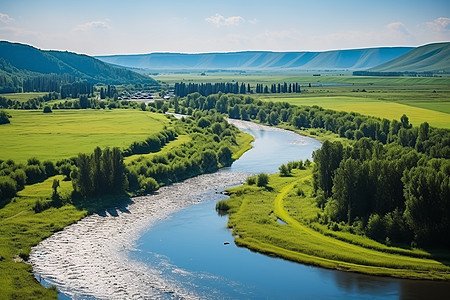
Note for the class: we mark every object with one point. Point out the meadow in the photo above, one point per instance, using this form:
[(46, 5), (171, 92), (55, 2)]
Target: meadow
[(277, 221), (420, 98), (22, 97), (65, 133)]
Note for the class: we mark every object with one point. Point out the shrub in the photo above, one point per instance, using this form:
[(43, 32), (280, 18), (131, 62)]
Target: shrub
[(262, 180), (49, 168), (47, 110), (376, 228), (20, 177), (148, 184), (4, 117), (284, 171), (34, 174), (40, 206), (251, 180), (8, 187)]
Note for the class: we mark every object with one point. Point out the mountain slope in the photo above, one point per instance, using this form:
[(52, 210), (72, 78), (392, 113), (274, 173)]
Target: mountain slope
[(427, 58), (261, 60), (23, 60)]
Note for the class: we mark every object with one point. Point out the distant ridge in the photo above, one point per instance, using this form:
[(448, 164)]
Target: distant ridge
[(357, 59), (23, 60), (427, 58)]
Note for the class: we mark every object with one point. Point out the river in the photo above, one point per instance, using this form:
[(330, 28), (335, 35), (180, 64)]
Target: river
[(174, 244)]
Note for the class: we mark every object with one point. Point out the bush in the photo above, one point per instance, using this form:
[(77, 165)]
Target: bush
[(20, 177), (4, 117), (49, 168), (47, 110), (284, 171), (262, 180), (251, 180), (40, 206), (148, 184), (8, 187), (376, 228), (34, 174)]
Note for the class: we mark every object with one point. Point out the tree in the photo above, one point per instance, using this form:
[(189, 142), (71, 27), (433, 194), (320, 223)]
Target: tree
[(224, 156), (55, 186), (4, 117), (284, 171), (84, 101), (262, 180), (47, 109), (327, 160), (209, 161)]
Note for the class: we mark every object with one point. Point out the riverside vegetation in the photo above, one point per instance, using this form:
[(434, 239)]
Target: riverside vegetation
[(39, 198), (389, 181)]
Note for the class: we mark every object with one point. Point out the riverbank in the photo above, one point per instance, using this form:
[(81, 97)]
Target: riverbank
[(89, 258), (21, 228), (279, 222)]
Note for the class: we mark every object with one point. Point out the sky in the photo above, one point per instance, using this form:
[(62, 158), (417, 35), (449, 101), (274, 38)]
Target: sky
[(99, 27)]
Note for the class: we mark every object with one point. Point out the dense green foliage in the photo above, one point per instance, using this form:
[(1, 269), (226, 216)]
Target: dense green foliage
[(4, 117), (102, 172), (206, 89), (433, 141), (204, 153), (394, 192)]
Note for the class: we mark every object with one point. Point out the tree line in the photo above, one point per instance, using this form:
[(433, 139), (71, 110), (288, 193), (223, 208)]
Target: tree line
[(391, 192), (205, 89), (393, 182)]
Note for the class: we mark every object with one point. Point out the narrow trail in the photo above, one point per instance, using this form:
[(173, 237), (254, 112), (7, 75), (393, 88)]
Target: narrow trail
[(403, 262)]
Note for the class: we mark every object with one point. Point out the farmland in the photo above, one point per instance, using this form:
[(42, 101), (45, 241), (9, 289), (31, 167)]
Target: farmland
[(420, 98)]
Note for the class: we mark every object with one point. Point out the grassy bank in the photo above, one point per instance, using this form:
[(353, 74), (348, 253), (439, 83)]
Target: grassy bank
[(255, 214)]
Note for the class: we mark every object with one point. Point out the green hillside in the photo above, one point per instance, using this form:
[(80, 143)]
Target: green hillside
[(18, 61), (427, 58)]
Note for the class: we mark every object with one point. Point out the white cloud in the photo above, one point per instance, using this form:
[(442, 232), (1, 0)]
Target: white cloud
[(440, 24), (92, 25), (4, 18), (220, 20), (398, 28)]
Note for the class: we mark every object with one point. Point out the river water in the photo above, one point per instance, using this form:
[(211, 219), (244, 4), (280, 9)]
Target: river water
[(191, 253)]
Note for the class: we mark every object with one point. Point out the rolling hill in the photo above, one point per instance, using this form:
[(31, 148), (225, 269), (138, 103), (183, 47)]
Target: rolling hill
[(427, 58), (357, 59), (19, 60)]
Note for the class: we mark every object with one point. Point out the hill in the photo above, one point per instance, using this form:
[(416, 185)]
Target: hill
[(356, 59), (427, 58), (19, 60)]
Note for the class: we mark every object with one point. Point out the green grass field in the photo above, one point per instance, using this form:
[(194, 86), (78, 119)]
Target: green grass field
[(22, 97), (21, 228), (65, 133), (420, 98), (430, 112), (253, 216)]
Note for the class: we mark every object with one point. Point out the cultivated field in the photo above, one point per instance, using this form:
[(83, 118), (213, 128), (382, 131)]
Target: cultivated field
[(65, 133)]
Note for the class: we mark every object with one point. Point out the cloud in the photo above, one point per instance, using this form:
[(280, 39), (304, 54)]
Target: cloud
[(4, 18), (92, 25), (398, 28), (220, 20), (440, 24)]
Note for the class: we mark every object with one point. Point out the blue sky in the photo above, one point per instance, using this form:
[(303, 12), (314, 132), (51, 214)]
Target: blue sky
[(98, 27)]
